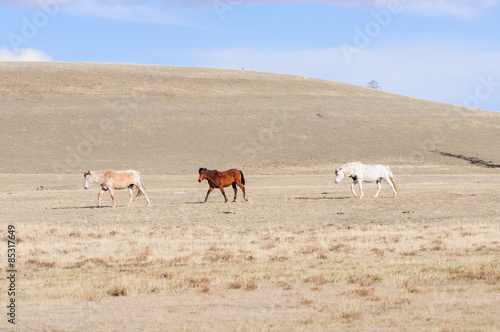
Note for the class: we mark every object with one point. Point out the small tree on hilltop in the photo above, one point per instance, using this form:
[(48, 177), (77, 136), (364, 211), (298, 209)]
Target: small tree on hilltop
[(374, 85)]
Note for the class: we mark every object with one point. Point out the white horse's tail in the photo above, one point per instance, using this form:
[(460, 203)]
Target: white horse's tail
[(391, 177)]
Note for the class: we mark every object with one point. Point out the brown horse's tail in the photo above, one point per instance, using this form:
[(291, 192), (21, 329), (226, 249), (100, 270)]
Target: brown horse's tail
[(242, 178)]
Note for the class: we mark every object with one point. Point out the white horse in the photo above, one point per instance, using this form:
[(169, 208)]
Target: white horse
[(110, 180), (366, 173)]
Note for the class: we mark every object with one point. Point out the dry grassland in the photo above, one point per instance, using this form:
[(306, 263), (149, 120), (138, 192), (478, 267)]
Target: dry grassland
[(300, 255)]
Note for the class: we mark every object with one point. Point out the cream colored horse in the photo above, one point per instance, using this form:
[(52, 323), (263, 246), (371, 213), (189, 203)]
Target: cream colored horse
[(111, 180), (366, 173)]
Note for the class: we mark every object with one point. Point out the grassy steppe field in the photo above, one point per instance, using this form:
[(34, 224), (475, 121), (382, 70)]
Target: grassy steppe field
[(301, 254)]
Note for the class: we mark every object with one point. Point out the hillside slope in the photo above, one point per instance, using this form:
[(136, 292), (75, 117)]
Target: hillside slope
[(70, 117)]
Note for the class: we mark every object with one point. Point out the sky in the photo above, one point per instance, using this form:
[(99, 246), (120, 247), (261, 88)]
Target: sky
[(440, 50)]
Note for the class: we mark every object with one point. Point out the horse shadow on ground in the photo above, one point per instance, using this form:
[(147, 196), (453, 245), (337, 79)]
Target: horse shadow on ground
[(91, 207), (320, 198), (81, 207), (473, 160)]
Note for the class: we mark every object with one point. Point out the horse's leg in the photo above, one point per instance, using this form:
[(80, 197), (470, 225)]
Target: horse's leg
[(131, 191), (242, 189), (208, 193), (379, 185), (223, 193), (352, 188), (99, 198), (112, 197), (360, 181), (235, 191), (148, 202)]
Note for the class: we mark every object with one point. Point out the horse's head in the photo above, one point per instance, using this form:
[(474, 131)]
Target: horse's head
[(88, 180), (339, 175), (203, 174)]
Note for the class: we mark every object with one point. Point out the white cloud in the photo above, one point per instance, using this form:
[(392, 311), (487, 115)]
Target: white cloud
[(33, 3), (163, 11), (127, 10), (24, 54), (155, 11), (463, 8)]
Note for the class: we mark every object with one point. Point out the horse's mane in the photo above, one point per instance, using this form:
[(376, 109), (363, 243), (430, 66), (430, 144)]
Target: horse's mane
[(205, 169), (351, 164)]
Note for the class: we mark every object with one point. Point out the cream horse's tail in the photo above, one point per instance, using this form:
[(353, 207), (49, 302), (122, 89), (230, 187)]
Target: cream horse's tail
[(391, 177), (137, 189)]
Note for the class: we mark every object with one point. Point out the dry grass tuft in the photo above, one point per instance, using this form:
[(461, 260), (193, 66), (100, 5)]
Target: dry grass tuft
[(251, 285), (340, 248), (140, 259), (410, 286), (397, 301), (316, 280), (409, 253), (279, 256), (362, 291), (197, 282), (76, 234), (118, 290), (351, 315), (377, 251), (91, 262), (205, 288), (488, 273), (180, 260), (91, 294), (306, 301), (36, 263), (166, 275), (364, 280), (284, 285), (216, 254), (237, 283)]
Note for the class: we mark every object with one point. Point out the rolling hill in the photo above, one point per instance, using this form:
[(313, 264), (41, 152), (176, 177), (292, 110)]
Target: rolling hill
[(70, 117)]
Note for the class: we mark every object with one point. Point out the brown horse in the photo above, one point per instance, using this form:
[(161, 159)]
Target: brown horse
[(220, 180)]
